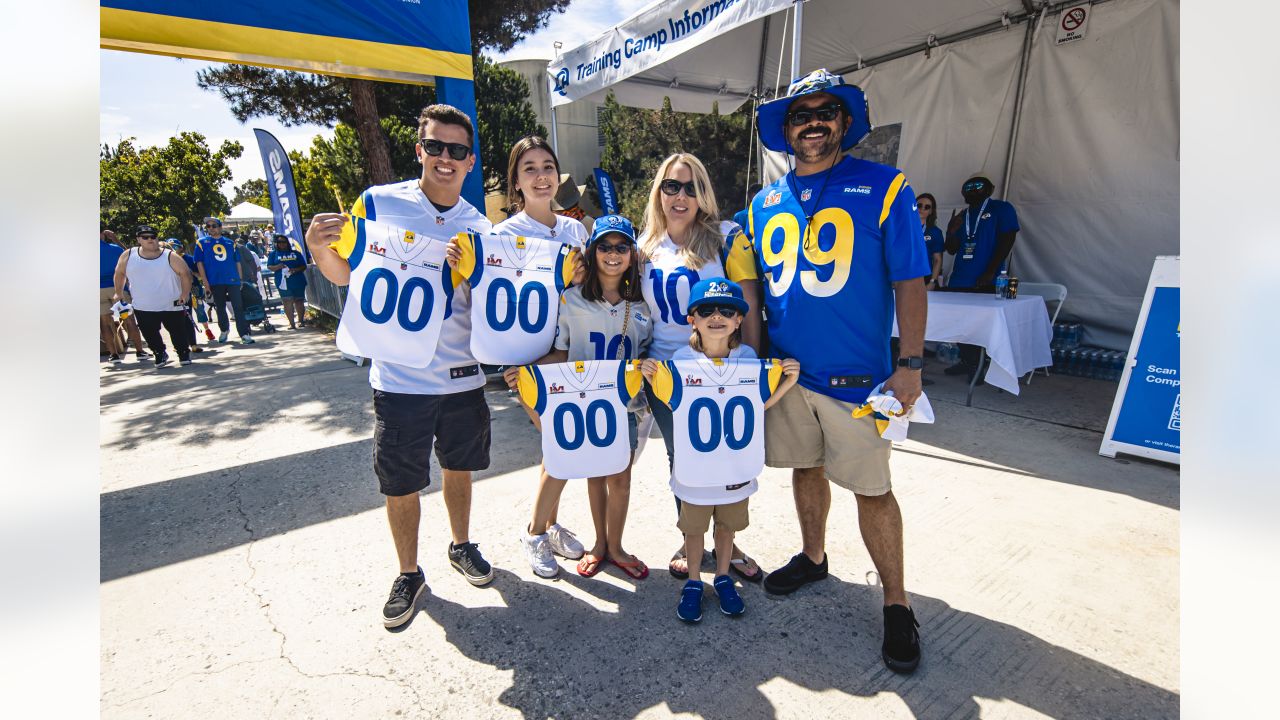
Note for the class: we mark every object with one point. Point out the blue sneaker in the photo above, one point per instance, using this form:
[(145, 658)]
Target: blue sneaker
[(730, 601), (690, 607)]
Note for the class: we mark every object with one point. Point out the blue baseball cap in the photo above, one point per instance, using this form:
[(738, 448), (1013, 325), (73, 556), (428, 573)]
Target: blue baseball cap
[(772, 115), (717, 291), (612, 224)]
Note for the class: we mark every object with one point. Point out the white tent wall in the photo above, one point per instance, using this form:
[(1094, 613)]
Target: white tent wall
[(1095, 176)]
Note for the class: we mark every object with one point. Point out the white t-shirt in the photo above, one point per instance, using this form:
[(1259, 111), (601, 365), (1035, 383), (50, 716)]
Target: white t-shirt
[(592, 330), (666, 282), (453, 369), (567, 230)]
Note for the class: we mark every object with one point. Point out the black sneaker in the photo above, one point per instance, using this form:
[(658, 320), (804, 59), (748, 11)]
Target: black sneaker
[(466, 559), (790, 577), (405, 592), (901, 647), (115, 359), (162, 360), (142, 355)]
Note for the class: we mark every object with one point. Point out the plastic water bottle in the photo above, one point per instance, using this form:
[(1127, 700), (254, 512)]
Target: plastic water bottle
[(1002, 284)]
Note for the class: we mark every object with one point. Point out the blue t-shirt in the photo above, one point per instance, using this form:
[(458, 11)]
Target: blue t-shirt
[(985, 224), (830, 300), (221, 260), (292, 259), (108, 257), (934, 242)]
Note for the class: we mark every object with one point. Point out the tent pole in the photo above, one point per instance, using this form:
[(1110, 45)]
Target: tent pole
[(795, 40), (1027, 41), (554, 144)]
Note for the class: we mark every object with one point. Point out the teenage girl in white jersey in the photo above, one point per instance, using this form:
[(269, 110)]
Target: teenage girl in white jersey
[(683, 241)]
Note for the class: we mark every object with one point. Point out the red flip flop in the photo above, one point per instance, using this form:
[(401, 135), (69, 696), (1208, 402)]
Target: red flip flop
[(592, 570), (636, 569)]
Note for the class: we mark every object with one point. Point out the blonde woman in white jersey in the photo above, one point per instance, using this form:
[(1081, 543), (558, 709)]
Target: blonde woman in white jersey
[(684, 241), (533, 175)]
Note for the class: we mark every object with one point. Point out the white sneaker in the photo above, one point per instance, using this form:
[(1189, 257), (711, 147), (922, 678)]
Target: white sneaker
[(247, 340), (564, 543), (538, 550), (222, 338)]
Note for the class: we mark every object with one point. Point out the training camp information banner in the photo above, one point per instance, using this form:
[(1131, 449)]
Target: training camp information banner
[(648, 39), (1146, 418)]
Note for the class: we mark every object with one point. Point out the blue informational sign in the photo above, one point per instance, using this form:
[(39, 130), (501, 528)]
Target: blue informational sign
[(284, 198), (1151, 414), (607, 191)]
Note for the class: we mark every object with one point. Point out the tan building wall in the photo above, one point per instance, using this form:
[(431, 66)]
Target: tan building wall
[(577, 128)]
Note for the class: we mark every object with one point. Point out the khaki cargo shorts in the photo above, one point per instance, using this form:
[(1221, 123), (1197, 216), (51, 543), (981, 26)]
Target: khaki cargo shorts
[(808, 429), (695, 519)]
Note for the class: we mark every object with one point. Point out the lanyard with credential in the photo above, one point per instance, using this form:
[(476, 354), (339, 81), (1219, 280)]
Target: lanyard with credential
[(967, 233)]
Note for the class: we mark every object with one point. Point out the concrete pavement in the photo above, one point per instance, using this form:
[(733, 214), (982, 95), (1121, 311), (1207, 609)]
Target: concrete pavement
[(245, 560)]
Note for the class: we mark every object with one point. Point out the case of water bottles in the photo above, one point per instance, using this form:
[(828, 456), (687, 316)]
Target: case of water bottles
[(1072, 358)]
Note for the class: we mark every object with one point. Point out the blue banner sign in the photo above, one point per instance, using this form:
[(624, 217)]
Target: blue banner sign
[(284, 198), (607, 191)]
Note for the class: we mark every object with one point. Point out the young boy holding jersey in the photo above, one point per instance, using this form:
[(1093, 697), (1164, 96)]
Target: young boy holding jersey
[(716, 309)]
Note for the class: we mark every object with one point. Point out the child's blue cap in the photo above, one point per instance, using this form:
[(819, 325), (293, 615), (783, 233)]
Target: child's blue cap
[(717, 291), (612, 224)]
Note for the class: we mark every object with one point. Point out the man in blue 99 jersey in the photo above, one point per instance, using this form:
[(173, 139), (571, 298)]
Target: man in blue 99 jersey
[(840, 247)]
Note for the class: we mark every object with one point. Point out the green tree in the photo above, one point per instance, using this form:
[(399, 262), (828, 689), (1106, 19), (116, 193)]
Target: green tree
[(254, 191), (170, 186), (638, 140), (301, 98)]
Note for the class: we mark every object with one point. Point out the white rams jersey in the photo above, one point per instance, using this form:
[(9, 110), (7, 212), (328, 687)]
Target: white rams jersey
[(717, 409), (583, 407), (666, 282), (515, 294), (399, 295), (452, 369), (593, 330), (567, 230)]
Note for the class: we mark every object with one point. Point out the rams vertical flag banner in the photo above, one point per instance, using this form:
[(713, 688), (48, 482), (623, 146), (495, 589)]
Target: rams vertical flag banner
[(607, 192), (393, 40), (284, 198)]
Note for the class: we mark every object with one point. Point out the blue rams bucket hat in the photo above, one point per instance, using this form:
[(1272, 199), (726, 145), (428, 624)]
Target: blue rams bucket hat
[(612, 224), (717, 291), (772, 115)]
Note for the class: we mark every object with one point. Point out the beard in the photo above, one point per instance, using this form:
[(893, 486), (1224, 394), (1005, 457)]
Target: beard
[(829, 145)]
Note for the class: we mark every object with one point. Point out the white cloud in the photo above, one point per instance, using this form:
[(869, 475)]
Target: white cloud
[(580, 24)]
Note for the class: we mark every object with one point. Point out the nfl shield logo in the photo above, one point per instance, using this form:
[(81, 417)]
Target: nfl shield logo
[(439, 220), (806, 194), (404, 266), (519, 273), (582, 394), (721, 391)]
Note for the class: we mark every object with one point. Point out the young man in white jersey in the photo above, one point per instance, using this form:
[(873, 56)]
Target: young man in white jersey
[(444, 402)]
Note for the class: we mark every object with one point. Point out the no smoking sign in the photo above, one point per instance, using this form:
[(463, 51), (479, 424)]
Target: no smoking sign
[(1072, 23)]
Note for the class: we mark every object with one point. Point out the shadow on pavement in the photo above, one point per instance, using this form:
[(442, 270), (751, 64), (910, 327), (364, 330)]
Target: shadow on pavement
[(569, 659)]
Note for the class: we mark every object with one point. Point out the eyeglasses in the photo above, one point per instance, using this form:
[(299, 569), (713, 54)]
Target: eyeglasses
[(611, 249), (925, 207), (973, 186), (146, 237), (826, 113), (211, 226), (706, 311), (673, 188), (457, 151)]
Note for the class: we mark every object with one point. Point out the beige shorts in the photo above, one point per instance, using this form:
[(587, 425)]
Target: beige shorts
[(696, 519), (104, 300), (808, 429)]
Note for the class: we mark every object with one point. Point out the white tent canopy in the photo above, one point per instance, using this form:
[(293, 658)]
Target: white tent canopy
[(1092, 167), (247, 212)]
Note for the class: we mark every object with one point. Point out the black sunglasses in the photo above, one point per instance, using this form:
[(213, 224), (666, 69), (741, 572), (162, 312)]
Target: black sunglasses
[(146, 237), (826, 113), (457, 151), (673, 187), (618, 249), (973, 185), (925, 207), (706, 311)]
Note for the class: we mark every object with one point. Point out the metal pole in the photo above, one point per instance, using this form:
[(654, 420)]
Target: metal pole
[(551, 104), (795, 40), (1032, 27)]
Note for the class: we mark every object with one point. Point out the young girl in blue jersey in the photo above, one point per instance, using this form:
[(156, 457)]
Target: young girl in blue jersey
[(716, 310), (605, 318)]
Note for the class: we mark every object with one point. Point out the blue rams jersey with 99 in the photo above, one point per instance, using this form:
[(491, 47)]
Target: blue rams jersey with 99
[(583, 407), (398, 297), (717, 409), (516, 284), (828, 291), (452, 369), (221, 260)]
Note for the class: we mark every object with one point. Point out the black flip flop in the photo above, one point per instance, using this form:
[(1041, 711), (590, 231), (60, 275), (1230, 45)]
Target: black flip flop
[(678, 575), (736, 570)]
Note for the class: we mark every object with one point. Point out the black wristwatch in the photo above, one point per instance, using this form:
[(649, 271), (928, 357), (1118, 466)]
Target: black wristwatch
[(914, 362)]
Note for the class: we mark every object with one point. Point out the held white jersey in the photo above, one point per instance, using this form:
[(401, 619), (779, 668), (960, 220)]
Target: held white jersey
[(717, 409), (399, 295), (583, 407), (666, 282), (453, 369), (593, 330), (515, 292), (567, 230)]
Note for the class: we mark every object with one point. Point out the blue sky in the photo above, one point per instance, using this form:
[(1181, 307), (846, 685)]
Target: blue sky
[(151, 97)]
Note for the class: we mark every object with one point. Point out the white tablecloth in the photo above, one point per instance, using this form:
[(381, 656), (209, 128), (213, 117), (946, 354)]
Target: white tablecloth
[(1016, 333)]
